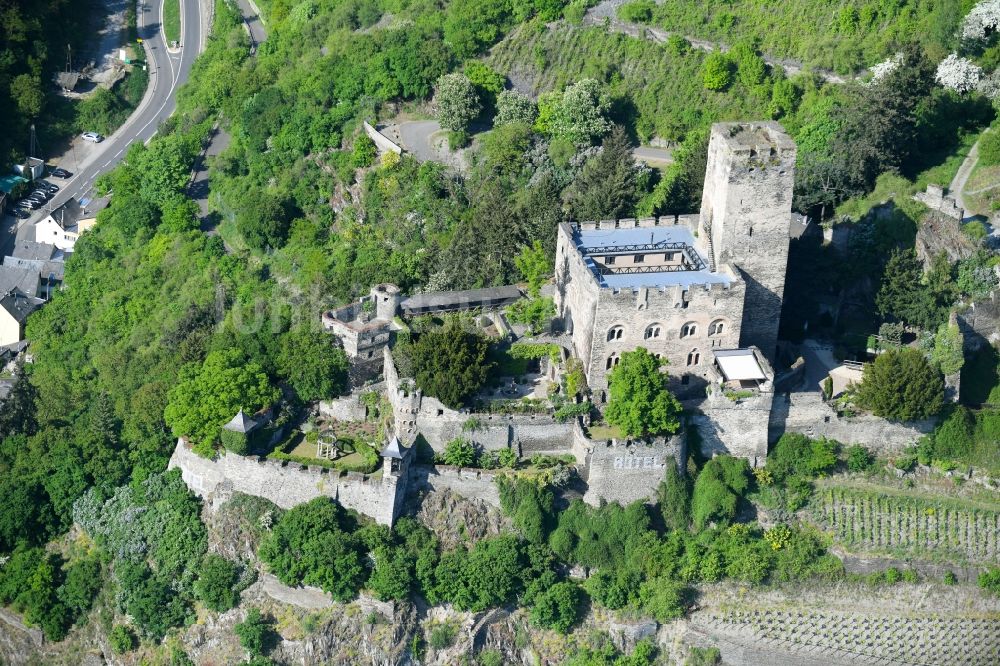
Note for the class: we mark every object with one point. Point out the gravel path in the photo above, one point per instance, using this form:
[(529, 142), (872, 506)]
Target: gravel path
[(957, 186)]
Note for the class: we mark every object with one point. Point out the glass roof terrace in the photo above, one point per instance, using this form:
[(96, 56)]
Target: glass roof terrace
[(632, 258)]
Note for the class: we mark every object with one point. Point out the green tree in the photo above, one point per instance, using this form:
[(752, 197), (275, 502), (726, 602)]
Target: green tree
[(26, 90), (580, 113), (903, 293), (312, 544), (216, 582), (558, 607), (209, 394), (901, 384), (364, 152), (718, 489), (534, 264), (609, 185), (313, 365), (392, 574), (82, 580), (640, 403), (750, 67), (451, 363), (263, 220), (514, 107), (456, 101), (717, 72)]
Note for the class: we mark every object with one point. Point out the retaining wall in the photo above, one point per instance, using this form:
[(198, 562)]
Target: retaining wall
[(471, 483), (288, 484), (808, 414)]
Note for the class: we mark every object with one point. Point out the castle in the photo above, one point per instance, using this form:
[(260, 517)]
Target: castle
[(689, 287), (701, 291)]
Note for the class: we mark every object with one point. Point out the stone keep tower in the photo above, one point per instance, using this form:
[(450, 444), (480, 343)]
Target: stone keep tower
[(745, 217)]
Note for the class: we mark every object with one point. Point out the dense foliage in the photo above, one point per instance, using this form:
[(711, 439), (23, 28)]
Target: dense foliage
[(640, 403), (902, 384)]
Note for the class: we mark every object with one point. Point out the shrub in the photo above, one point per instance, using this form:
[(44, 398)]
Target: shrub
[(365, 151), (253, 632), (122, 639), (950, 578), (718, 489), (460, 453), (859, 458), (989, 147), (989, 581), (216, 583), (442, 636), (893, 576), (507, 458)]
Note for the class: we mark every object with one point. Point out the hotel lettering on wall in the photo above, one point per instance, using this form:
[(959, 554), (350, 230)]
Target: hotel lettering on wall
[(639, 462)]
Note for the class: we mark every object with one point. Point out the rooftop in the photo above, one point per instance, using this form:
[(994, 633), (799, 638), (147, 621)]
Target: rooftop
[(460, 300), (19, 304), (26, 249), (24, 279), (241, 423), (692, 270), (739, 365)]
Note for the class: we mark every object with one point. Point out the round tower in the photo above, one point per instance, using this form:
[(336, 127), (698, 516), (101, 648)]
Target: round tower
[(387, 299)]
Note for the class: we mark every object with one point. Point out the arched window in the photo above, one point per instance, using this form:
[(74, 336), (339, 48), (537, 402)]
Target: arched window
[(689, 329), (652, 331), (613, 360), (615, 333), (693, 357), (716, 327)]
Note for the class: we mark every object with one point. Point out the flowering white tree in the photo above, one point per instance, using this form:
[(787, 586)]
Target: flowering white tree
[(958, 74), (884, 69), (982, 19), (989, 85)]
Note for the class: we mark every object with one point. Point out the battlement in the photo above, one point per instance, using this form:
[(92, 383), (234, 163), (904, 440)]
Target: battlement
[(765, 142)]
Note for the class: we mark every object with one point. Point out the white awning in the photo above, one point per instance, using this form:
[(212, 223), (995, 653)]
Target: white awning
[(739, 365)]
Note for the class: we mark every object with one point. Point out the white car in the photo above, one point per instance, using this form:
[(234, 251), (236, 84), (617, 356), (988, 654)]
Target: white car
[(92, 136)]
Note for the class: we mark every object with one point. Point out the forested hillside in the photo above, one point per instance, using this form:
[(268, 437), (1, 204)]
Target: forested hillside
[(161, 308), (33, 45)]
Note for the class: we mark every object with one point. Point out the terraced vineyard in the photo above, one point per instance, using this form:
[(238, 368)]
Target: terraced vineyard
[(889, 522), (846, 637)]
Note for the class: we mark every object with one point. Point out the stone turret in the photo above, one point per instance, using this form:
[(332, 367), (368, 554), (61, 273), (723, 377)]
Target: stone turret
[(746, 215), (387, 298)]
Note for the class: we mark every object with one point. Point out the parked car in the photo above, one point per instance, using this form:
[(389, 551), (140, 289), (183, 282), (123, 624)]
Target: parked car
[(39, 195), (59, 172), (21, 213), (51, 188), (28, 204), (92, 136)]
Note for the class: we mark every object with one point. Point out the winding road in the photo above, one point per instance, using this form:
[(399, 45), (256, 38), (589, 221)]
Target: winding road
[(167, 72)]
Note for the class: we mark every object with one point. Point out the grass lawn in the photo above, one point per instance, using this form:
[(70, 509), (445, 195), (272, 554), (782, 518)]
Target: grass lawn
[(172, 20), (602, 432), (982, 191)]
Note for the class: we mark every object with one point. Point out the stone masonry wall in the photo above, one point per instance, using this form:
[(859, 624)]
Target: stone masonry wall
[(439, 424), (625, 472), (739, 428), (289, 484), (669, 308), (471, 483), (589, 312), (806, 413)]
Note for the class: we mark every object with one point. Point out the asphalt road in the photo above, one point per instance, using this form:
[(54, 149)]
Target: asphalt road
[(167, 72)]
